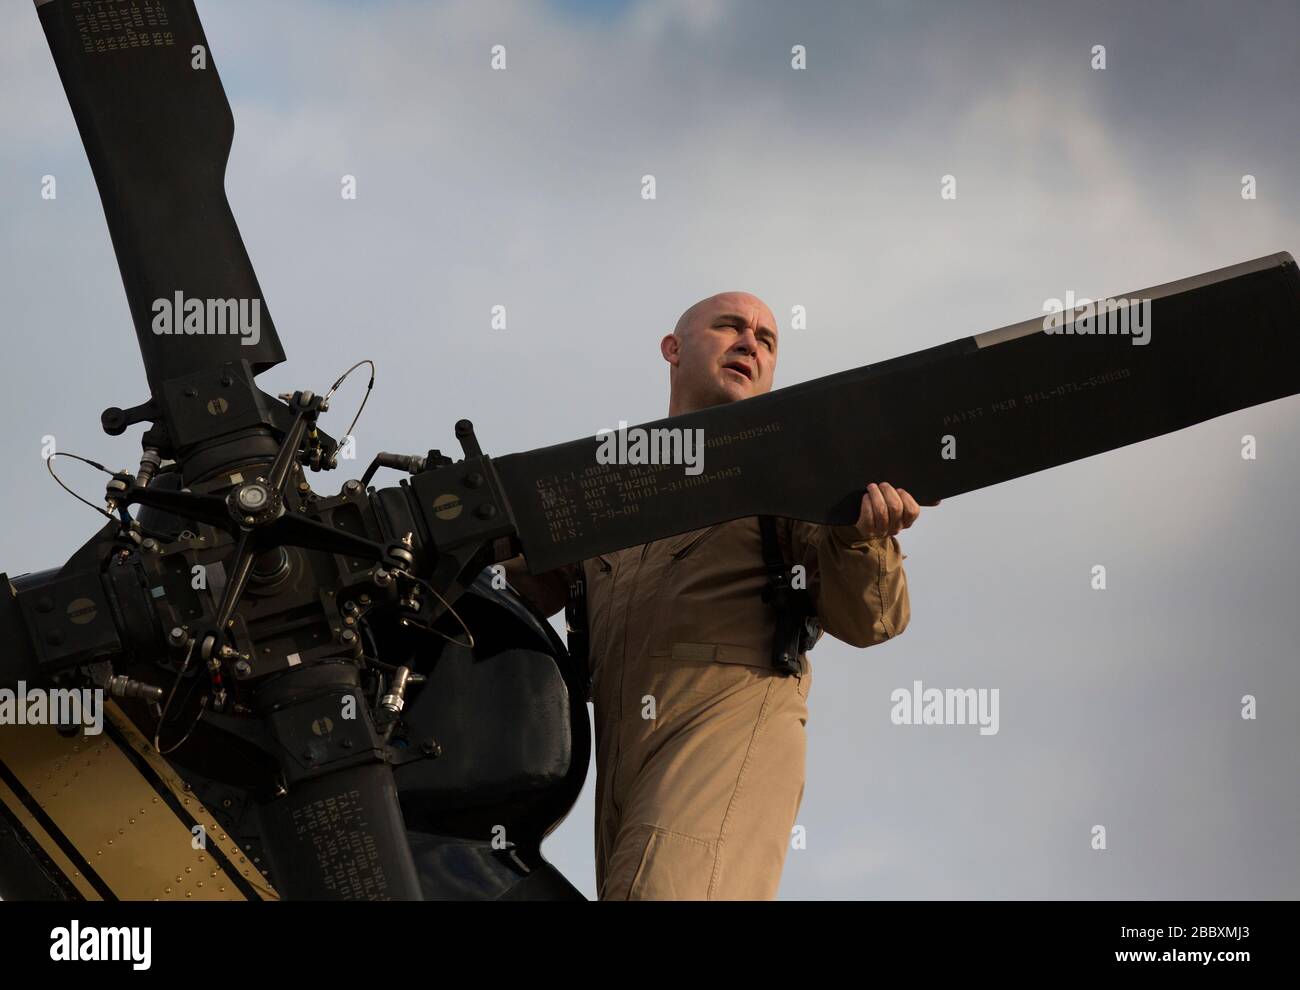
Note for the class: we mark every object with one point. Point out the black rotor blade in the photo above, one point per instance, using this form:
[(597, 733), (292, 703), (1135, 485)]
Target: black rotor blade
[(158, 133), (1013, 401)]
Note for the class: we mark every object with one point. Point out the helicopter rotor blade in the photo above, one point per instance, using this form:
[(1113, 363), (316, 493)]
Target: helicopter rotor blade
[(157, 129), (942, 421)]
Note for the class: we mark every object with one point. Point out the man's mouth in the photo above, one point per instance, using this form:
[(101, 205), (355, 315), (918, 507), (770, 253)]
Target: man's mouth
[(740, 368)]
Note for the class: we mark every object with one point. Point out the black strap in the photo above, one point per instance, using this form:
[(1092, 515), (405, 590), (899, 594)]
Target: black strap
[(575, 624), (797, 627), (772, 556)]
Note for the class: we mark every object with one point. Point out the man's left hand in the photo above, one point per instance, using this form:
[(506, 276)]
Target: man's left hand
[(886, 510)]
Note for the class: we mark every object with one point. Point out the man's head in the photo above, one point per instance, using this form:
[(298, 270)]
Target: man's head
[(723, 349)]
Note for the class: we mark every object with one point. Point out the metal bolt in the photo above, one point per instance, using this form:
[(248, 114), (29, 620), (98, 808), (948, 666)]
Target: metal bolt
[(253, 497)]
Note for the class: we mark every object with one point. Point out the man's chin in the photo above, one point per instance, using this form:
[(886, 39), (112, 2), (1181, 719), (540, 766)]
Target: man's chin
[(734, 391), (723, 394)]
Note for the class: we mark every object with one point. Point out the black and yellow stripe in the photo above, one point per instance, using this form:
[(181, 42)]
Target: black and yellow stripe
[(116, 819)]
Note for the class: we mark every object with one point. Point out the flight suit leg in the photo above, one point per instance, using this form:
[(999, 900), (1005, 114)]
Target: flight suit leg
[(706, 791)]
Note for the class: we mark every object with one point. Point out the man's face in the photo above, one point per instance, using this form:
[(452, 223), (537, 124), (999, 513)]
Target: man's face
[(724, 349)]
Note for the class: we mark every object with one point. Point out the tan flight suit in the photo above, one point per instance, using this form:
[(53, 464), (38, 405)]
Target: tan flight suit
[(700, 742)]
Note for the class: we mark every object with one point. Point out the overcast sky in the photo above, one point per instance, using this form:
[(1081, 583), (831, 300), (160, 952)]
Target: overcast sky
[(818, 188)]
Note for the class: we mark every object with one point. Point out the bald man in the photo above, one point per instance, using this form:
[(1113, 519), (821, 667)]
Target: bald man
[(700, 740)]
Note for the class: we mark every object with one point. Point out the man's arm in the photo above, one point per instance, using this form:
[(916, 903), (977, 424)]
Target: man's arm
[(547, 592), (855, 573), (858, 585)]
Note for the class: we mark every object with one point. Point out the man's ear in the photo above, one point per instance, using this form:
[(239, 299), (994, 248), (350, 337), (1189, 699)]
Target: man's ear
[(670, 347)]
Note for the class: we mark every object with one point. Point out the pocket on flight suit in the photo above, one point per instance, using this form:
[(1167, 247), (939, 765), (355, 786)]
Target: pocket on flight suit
[(708, 606), (805, 678), (657, 864)]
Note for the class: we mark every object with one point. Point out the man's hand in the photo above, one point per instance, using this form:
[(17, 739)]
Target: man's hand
[(886, 510)]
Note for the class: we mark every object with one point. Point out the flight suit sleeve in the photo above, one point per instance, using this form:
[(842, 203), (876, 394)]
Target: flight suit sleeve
[(547, 592), (858, 585)]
